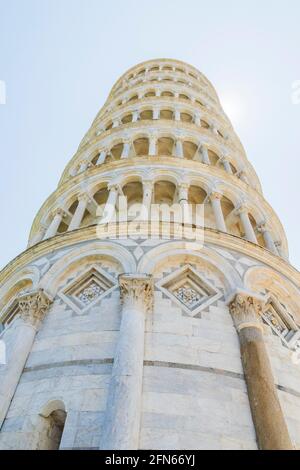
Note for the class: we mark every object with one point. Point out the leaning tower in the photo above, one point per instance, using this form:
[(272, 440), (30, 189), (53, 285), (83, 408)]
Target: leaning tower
[(120, 337)]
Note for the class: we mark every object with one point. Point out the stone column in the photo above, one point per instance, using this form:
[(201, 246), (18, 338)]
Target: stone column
[(270, 426), (56, 221), (226, 165), (33, 307), (197, 119), (123, 413), (79, 213), (183, 200), (39, 236), (156, 113), (241, 174), (147, 199), (247, 226), (268, 238), (215, 199), (205, 156), (83, 166), (135, 116), (152, 145), (179, 148), (102, 156), (126, 149), (110, 205), (177, 115)]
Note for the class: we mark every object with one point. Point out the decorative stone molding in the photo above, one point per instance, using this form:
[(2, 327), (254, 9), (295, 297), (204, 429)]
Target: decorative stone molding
[(137, 289), (33, 307), (246, 311)]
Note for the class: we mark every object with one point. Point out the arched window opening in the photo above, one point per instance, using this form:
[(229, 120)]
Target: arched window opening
[(213, 157), (95, 159), (204, 124), (183, 97), (164, 192), (51, 427), (126, 119), (189, 150), (233, 168), (109, 126), (165, 146), (196, 196), (133, 98), (116, 151), (73, 207), (63, 227), (141, 146), (133, 191), (101, 196), (146, 115), (166, 114), (185, 117), (167, 94), (150, 94)]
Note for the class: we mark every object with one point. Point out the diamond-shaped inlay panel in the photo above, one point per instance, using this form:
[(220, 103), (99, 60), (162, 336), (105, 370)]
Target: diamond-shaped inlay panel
[(188, 296), (85, 291), (281, 322), (90, 293), (189, 289)]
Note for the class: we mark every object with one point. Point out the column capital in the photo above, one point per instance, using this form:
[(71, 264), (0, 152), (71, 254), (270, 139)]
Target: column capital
[(246, 310), (148, 183), (137, 288), (215, 195), (241, 208), (262, 227), (84, 197), (33, 307), (59, 211), (153, 135), (113, 186), (184, 185)]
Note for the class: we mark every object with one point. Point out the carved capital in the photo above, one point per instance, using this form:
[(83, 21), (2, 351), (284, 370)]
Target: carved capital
[(246, 311), (59, 211), (33, 307), (241, 209), (215, 195), (137, 289), (84, 197)]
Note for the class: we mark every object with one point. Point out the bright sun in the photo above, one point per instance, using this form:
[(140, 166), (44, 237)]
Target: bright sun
[(233, 106)]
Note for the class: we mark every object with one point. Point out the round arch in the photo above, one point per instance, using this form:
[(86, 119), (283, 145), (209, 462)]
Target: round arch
[(51, 281)]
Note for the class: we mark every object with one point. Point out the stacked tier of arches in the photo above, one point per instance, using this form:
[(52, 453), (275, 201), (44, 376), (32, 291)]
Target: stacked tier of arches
[(163, 111), (163, 144), (165, 73), (224, 209)]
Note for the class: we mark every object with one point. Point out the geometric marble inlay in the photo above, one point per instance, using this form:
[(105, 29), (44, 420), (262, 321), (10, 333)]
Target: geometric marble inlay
[(188, 289), (281, 322), (88, 289)]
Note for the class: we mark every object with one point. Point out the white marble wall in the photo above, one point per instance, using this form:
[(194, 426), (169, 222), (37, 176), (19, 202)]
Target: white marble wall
[(194, 394)]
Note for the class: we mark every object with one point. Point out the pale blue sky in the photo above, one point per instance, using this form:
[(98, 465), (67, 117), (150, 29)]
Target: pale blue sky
[(59, 59)]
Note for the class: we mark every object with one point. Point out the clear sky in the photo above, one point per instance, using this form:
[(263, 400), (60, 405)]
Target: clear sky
[(59, 59)]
